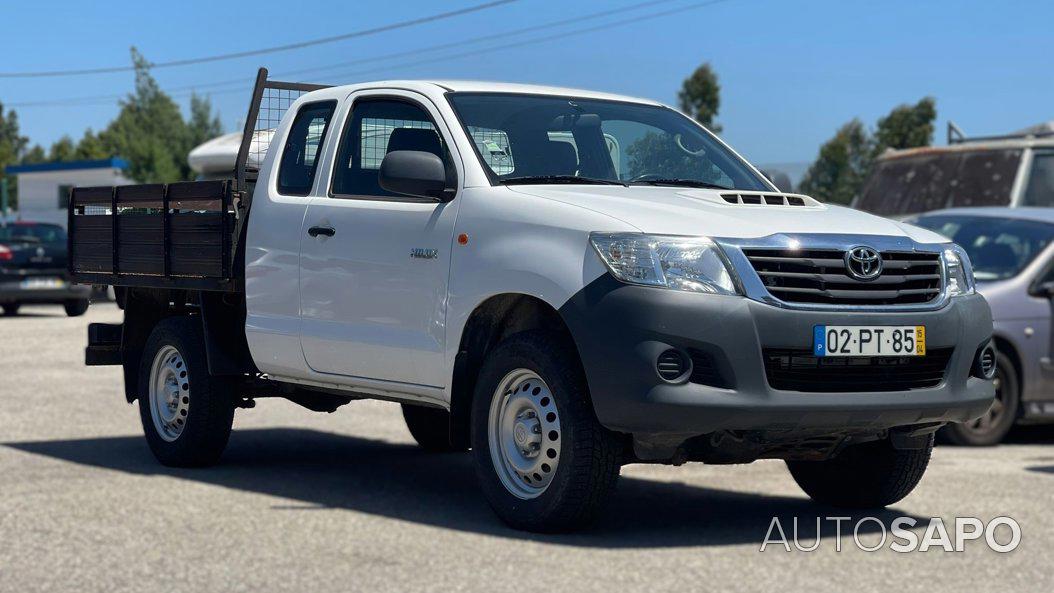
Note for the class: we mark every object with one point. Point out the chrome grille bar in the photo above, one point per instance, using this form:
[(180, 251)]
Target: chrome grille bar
[(818, 276)]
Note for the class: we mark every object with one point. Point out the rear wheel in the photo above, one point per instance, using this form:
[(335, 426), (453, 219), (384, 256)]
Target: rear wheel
[(868, 475), (543, 460), (186, 413), (992, 427), (11, 309), (430, 427), (76, 308)]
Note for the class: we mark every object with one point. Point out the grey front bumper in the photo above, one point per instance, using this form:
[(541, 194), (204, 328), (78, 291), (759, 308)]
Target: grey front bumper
[(620, 330)]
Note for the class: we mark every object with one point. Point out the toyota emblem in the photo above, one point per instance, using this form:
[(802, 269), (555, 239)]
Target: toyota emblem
[(863, 263)]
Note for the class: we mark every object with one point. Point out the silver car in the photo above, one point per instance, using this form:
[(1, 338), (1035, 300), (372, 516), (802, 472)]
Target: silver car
[(1012, 251)]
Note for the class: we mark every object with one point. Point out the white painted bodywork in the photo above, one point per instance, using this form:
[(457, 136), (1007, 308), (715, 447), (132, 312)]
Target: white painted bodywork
[(356, 312)]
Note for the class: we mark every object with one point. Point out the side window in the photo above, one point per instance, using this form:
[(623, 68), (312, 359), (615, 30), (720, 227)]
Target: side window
[(1040, 189), (375, 128), (296, 172)]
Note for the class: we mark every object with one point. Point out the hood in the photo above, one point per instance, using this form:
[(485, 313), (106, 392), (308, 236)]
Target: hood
[(680, 211)]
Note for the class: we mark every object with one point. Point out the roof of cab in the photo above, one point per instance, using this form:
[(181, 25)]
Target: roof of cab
[(476, 86)]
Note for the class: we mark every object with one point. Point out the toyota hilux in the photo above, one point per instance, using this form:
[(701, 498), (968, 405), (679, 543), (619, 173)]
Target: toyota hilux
[(562, 281)]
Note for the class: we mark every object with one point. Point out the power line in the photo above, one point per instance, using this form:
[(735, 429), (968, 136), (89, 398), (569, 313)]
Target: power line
[(176, 91), (266, 50), (242, 86)]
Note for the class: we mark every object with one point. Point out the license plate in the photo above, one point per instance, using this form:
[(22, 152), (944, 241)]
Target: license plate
[(42, 283), (869, 340)]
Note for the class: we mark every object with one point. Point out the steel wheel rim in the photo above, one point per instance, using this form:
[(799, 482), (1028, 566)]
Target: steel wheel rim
[(169, 393), (523, 431), (994, 414)]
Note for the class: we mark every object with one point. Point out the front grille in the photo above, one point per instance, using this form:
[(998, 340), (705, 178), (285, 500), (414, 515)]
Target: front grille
[(818, 276), (799, 370)]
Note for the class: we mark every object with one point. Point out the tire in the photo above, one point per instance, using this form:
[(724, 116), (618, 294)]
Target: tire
[(430, 427), (11, 309), (992, 428), (865, 476), (76, 308), (577, 460), (197, 424)]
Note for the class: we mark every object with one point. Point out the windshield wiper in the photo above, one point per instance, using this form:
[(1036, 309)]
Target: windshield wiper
[(681, 183), (529, 179)]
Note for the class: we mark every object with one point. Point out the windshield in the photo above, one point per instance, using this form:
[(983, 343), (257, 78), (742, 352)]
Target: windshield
[(999, 248), (32, 233), (933, 180), (546, 139)]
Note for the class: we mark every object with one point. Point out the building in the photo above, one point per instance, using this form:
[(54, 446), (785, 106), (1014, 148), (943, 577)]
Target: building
[(43, 189)]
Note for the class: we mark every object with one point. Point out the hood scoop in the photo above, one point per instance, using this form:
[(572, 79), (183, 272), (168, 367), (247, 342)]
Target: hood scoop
[(770, 199)]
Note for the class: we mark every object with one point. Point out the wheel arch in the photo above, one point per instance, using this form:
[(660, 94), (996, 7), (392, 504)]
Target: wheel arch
[(492, 321), (222, 320)]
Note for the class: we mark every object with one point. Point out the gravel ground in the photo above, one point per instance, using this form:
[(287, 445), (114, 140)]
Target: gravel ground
[(343, 502)]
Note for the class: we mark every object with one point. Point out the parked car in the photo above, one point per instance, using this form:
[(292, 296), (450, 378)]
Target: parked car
[(33, 269), (474, 252), (1012, 250), (1016, 170)]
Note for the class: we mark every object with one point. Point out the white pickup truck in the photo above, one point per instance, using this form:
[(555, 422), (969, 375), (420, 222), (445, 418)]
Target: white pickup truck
[(562, 281)]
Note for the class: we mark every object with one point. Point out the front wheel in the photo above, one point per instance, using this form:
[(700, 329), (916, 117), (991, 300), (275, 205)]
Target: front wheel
[(186, 412), (11, 309), (543, 460), (864, 476)]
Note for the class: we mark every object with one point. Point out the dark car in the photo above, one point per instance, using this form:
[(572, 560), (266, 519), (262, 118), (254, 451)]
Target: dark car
[(1012, 251), (33, 269)]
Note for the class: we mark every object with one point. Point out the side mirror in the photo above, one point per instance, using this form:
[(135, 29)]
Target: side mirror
[(1044, 290), (414, 173)]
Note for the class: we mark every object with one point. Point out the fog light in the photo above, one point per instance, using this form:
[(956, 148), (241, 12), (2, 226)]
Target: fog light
[(672, 366), (984, 364)]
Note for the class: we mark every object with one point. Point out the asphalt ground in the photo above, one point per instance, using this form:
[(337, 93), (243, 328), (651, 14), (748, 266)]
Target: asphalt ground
[(303, 501)]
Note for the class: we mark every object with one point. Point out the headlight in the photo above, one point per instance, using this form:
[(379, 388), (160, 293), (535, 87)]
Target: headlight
[(958, 271), (694, 264)]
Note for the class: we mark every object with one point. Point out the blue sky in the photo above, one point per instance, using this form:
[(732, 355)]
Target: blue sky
[(791, 71)]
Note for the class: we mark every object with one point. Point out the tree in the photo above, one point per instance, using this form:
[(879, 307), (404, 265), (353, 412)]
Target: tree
[(62, 150), (842, 165), (35, 156), (700, 97), (12, 145), (149, 131), (91, 147), (846, 160), (907, 126), (203, 125)]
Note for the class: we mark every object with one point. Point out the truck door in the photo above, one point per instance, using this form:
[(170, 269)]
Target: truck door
[(272, 252), (374, 265)]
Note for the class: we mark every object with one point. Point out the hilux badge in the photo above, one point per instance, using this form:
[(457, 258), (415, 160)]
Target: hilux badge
[(863, 263)]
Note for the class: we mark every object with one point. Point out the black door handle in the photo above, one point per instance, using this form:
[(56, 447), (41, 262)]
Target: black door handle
[(321, 230)]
